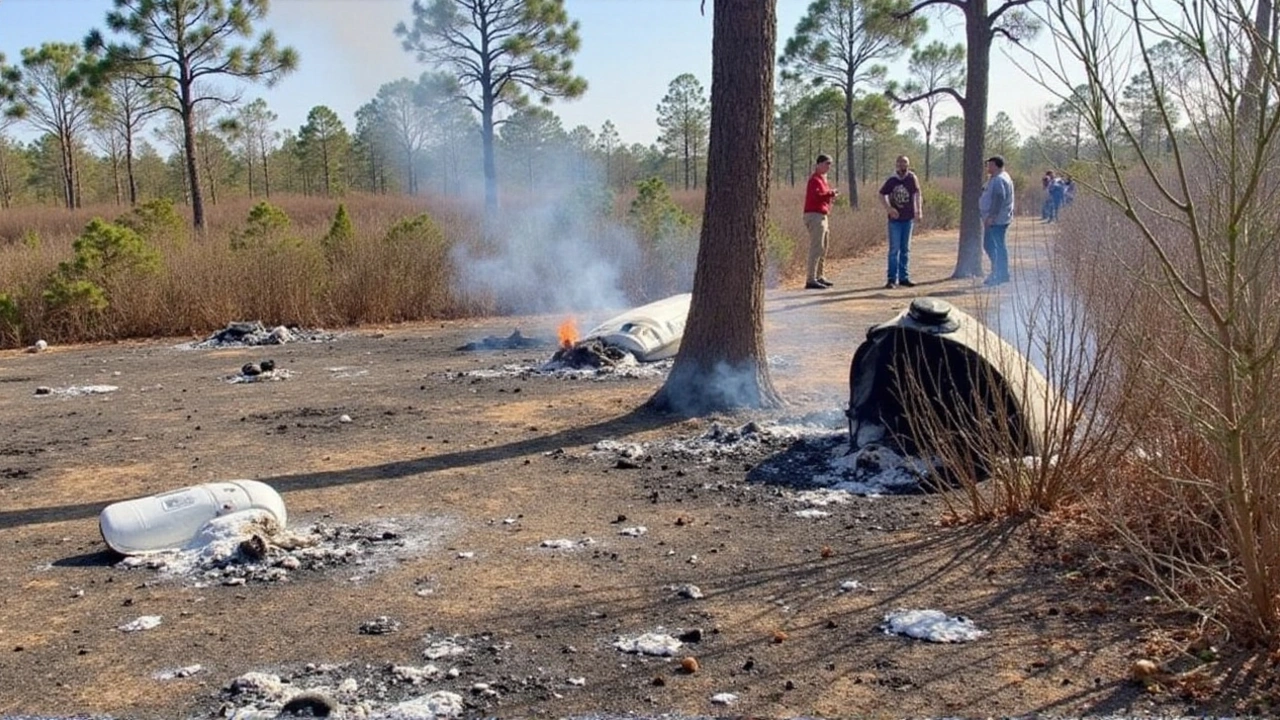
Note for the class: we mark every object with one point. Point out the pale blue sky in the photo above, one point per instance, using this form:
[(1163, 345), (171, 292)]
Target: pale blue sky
[(631, 50)]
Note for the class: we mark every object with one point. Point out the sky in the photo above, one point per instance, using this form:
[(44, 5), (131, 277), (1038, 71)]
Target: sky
[(631, 51)]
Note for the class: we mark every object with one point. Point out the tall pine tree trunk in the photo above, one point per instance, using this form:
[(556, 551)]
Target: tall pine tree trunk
[(130, 172), (851, 167), (193, 169), (973, 164), (721, 364)]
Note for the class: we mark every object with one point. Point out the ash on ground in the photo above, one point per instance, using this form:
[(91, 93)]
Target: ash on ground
[(250, 546), (803, 454), (450, 679), (76, 390), (514, 341), (247, 334), (626, 367), (266, 371)]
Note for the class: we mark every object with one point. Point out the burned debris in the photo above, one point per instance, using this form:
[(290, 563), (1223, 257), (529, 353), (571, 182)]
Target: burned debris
[(241, 334), (515, 341)]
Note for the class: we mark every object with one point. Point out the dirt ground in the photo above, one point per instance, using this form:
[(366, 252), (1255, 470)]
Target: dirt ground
[(480, 471)]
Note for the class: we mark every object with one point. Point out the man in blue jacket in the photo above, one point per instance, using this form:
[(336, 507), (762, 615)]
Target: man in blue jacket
[(996, 207)]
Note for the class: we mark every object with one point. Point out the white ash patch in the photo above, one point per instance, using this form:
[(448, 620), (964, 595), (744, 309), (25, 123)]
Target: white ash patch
[(76, 390), (340, 373), (821, 497), (444, 648), (624, 370), (146, 622), (806, 453), (650, 643), (636, 531), (932, 625), (612, 449), (812, 514), (368, 691), (415, 675), (250, 334), (627, 367), (724, 699), (439, 704), (566, 544), (250, 546)]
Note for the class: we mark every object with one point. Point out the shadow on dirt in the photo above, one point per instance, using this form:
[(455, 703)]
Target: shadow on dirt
[(102, 558), (638, 420)]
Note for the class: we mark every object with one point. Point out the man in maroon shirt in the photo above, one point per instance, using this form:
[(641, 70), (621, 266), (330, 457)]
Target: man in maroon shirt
[(818, 196), (901, 196)]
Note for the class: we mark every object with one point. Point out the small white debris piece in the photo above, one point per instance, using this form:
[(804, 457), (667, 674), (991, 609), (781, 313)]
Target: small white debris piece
[(852, 586), (931, 625), (636, 531), (41, 346), (348, 688), (344, 419), (443, 649), (649, 644), (688, 590), (566, 544), (415, 675), (812, 513), (577, 681), (822, 497), (509, 521), (440, 704), (484, 688), (175, 673), (724, 699), (76, 390), (146, 622), (468, 555)]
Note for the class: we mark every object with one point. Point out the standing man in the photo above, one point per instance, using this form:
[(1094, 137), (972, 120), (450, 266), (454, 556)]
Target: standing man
[(901, 197), (996, 207), (818, 196), (1046, 182)]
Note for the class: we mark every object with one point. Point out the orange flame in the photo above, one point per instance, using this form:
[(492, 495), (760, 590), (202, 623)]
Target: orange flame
[(568, 333)]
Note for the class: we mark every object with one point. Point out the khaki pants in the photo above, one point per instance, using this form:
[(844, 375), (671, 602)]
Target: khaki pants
[(816, 223)]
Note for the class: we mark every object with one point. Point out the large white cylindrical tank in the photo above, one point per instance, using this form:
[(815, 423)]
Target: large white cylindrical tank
[(169, 521)]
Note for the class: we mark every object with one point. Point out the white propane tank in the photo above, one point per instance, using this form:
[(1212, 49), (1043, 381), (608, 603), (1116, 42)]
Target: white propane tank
[(169, 521)]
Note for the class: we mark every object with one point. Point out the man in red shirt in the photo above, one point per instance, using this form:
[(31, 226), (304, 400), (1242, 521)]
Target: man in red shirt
[(818, 196)]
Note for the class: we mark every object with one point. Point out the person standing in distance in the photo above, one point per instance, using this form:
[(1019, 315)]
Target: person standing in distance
[(996, 208), (818, 196), (901, 197)]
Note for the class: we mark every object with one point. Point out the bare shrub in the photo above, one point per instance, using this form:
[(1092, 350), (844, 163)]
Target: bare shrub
[(1192, 231)]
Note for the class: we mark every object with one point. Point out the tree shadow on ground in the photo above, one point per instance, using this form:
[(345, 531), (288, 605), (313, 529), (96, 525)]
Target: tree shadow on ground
[(638, 420)]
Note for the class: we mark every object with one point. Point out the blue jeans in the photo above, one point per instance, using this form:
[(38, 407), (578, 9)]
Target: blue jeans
[(994, 243), (900, 250)]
